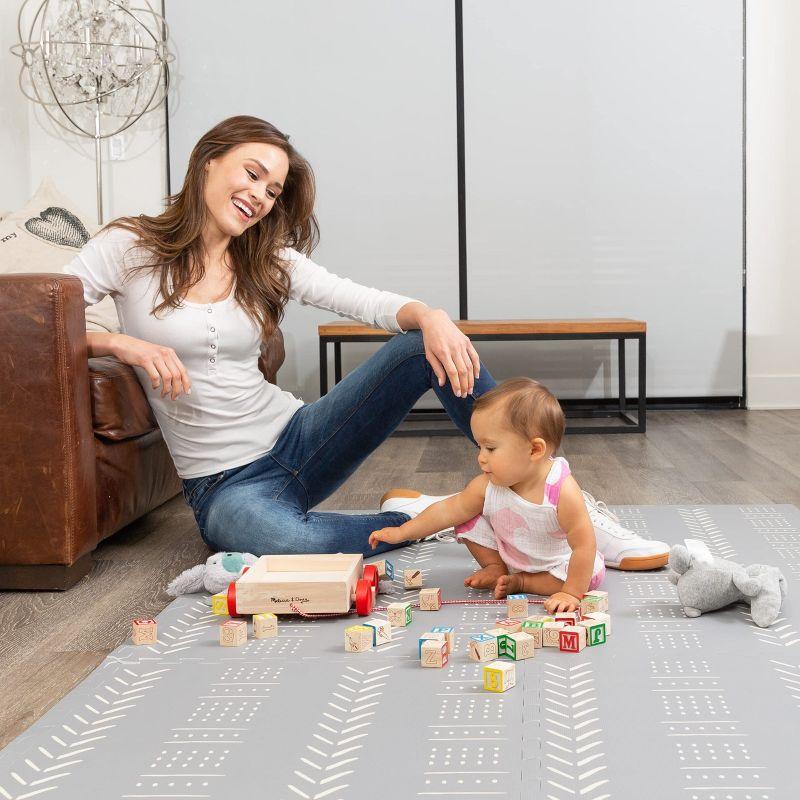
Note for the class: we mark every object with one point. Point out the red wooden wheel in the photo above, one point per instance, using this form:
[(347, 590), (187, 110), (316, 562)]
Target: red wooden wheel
[(371, 574), (365, 599), (232, 599)]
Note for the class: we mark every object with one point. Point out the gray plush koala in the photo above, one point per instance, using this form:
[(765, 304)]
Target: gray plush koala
[(213, 576), (706, 584)]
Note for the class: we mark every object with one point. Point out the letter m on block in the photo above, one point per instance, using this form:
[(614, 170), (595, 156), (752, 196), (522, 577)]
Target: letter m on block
[(569, 641)]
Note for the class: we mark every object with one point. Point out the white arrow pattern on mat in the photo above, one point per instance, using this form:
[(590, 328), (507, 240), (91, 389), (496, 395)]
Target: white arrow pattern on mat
[(354, 703), (702, 527), (573, 757), (121, 693)]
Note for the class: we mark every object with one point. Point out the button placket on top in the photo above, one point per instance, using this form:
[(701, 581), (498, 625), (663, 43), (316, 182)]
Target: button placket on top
[(213, 340)]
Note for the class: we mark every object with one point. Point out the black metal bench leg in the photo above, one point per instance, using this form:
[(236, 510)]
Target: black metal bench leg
[(621, 366), (642, 383), (337, 362), (323, 367)]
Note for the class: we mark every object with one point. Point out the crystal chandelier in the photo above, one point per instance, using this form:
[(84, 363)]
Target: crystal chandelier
[(95, 66)]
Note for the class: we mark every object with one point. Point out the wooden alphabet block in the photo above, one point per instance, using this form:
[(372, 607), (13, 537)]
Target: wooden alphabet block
[(265, 626), (482, 647), (517, 605), (233, 633), (434, 654), (541, 618), (219, 604), (572, 639), (412, 578), (385, 569), (568, 617), (534, 630), (144, 631), (449, 635), (509, 625), (499, 676), (399, 614), (594, 601), (430, 599), (519, 646), (357, 638), (595, 631), (430, 636), (601, 616), (550, 633), (381, 631)]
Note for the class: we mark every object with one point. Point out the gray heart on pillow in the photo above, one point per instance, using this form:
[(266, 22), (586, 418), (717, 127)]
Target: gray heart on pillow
[(58, 226)]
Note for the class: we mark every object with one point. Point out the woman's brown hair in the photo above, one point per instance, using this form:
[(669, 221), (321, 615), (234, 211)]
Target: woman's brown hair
[(174, 238)]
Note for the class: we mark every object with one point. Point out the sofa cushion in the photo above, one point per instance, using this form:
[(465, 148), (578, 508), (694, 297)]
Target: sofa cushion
[(119, 407), (45, 236)]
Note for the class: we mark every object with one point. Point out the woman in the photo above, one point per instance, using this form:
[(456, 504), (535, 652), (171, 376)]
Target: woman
[(200, 286)]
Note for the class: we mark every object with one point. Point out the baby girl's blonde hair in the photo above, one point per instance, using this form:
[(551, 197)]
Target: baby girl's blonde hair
[(531, 410)]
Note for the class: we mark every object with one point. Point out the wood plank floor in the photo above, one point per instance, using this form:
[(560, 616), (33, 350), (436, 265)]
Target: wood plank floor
[(50, 641)]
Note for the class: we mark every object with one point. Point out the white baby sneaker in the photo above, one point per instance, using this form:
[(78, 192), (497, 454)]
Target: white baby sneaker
[(620, 547)]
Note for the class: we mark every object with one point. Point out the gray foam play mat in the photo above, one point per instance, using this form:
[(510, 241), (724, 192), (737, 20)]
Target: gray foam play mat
[(677, 708)]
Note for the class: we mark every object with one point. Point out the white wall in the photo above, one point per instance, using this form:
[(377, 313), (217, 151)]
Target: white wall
[(773, 204)]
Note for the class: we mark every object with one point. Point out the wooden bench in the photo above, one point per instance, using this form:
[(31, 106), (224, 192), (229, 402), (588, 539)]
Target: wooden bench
[(337, 333)]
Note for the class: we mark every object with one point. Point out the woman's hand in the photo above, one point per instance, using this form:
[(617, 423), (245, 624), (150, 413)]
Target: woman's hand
[(449, 352), (388, 535), (561, 601), (160, 363)]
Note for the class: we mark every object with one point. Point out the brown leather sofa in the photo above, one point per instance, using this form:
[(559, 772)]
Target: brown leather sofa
[(81, 453)]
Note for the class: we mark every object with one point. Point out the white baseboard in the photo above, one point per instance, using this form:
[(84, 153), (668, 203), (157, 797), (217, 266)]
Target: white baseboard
[(773, 391)]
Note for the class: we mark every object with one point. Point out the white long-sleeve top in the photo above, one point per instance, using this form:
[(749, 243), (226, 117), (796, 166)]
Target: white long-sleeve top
[(232, 416)]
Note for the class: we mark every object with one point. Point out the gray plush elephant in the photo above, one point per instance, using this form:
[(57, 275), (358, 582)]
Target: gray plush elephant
[(709, 583), (213, 576)]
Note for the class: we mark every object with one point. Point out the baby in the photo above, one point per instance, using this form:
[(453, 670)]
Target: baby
[(524, 518)]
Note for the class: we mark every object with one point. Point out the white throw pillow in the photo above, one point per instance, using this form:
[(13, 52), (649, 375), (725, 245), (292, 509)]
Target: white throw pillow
[(44, 236)]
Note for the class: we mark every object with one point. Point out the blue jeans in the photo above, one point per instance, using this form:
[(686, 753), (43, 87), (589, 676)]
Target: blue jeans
[(263, 507)]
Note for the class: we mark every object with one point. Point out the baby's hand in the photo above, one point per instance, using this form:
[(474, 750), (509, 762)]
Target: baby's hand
[(561, 601), (388, 535)]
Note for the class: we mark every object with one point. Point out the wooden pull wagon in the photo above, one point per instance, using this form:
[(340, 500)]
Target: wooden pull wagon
[(308, 584)]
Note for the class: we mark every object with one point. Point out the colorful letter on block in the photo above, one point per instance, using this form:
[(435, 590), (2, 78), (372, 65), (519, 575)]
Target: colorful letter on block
[(572, 639), (381, 631), (434, 653), (385, 569), (509, 625), (430, 599), (449, 635), (550, 633), (568, 617), (233, 633), (534, 630), (595, 631), (594, 601), (430, 636), (219, 604), (357, 638), (517, 605), (499, 676), (412, 578), (399, 614), (144, 631), (541, 618), (482, 647), (601, 616), (520, 646), (265, 626)]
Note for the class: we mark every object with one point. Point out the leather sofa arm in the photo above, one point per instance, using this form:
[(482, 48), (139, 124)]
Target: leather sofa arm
[(47, 479)]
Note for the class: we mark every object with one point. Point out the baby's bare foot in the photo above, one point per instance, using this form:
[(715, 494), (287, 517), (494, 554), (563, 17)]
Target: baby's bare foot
[(508, 584), (485, 578)]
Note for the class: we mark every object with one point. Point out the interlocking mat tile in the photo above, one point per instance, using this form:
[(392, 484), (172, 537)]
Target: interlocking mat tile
[(670, 707)]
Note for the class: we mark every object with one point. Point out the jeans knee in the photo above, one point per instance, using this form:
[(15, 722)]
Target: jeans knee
[(410, 342)]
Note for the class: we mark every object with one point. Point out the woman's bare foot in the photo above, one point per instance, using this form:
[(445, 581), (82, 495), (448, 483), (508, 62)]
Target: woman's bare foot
[(485, 578), (509, 584)]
